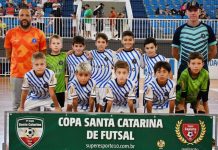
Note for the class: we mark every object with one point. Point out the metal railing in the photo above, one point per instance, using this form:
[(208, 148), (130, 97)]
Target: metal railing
[(161, 29), (4, 66)]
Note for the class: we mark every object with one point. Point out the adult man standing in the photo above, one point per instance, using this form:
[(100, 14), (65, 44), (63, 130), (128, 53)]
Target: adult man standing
[(194, 36), (20, 43)]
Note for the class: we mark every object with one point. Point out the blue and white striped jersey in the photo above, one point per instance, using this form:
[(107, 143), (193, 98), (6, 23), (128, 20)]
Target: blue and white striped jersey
[(39, 86), (160, 95), (133, 59), (82, 92), (148, 63), (120, 94), (102, 64), (72, 62)]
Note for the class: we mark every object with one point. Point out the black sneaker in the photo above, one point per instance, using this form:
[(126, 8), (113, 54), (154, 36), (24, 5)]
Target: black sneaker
[(213, 142)]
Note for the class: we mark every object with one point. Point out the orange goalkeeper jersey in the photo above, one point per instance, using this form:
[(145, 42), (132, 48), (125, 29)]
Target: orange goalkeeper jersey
[(23, 45)]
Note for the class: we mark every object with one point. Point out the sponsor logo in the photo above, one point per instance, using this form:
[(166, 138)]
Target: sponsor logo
[(161, 144), (29, 130), (192, 133)]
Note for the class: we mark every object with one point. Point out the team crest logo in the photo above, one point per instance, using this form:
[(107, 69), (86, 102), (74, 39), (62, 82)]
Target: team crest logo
[(60, 62), (203, 35), (106, 58), (134, 61), (34, 40), (192, 133), (30, 130), (126, 95), (45, 85)]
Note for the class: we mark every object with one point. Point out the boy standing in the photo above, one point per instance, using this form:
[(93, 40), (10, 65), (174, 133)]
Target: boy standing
[(38, 87), (133, 58), (77, 56), (82, 89), (120, 91), (56, 61), (193, 85), (102, 64), (150, 58), (160, 94)]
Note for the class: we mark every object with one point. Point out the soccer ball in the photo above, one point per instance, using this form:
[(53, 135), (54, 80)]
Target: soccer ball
[(190, 134), (29, 132)]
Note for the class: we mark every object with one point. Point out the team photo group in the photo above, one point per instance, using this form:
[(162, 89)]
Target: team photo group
[(105, 80)]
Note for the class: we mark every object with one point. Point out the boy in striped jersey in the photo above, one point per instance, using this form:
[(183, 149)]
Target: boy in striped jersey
[(120, 91), (56, 61), (74, 59), (77, 56), (160, 94), (38, 87), (82, 89), (193, 86), (150, 58), (102, 63), (133, 58)]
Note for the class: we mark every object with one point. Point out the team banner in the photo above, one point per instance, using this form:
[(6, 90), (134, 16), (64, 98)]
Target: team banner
[(61, 131)]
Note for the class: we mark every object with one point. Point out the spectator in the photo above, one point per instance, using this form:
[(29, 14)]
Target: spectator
[(182, 10), (99, 10), (57, 21), (119, 24), (23, 4), (19, 52), (74, 24), (2, 11), (99, 13), (3, 27), (56, 6), (167, 10), (10, 10), (157, 11), (83, 21), (39, 14), (112, 16), (88, 21)]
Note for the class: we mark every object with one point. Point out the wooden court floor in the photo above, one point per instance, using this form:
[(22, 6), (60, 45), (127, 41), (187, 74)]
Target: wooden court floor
[(6, 104)]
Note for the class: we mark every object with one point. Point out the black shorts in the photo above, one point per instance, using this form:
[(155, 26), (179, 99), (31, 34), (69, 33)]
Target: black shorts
[(61, 98)]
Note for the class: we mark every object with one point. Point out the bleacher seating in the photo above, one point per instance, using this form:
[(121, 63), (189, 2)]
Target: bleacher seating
[(151, 5)]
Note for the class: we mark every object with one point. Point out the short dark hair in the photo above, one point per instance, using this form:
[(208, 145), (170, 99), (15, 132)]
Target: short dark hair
[(194, 55), (87, 5), (101, 35), (78, 40), (128, 33), (162, 64), (121, 64), (150, 40)]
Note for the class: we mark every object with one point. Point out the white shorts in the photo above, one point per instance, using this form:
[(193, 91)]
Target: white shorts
[(82, 108), (159, 110), (120, 109), (100, 96), (38, 104), (88, 26), (136, 105)]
